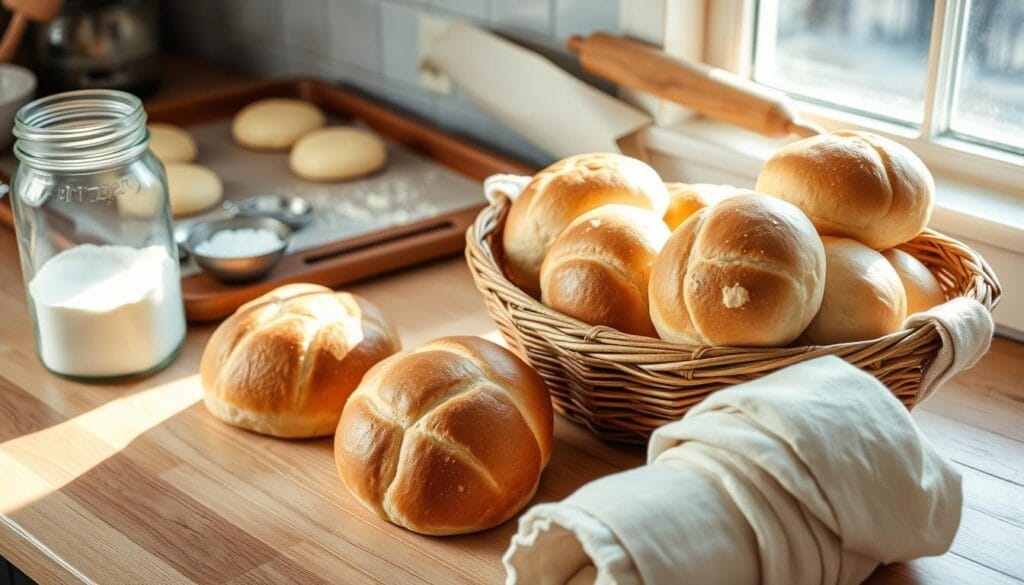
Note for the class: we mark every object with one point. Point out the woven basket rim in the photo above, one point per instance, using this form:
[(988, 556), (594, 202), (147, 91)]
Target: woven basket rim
[(985, 289)]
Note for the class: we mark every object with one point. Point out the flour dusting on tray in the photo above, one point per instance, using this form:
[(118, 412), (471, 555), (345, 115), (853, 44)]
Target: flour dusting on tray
[(409, 188)]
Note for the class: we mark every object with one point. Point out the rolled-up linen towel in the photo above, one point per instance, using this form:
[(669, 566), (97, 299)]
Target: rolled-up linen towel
[(813, 474)]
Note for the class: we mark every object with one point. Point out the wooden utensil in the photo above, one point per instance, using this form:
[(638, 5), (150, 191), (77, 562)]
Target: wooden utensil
[(716, 93), (24, 11)]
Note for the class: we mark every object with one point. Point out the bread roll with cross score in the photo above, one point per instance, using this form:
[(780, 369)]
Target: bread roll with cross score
[(853, 185), (284, 364), (562, 192), (447, 439), (749, 271)]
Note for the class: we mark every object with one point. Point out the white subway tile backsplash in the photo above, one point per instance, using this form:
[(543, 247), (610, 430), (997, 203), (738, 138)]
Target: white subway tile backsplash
[(255, 57), (307, 26), (400, 42), (355, 32), (585, 16), (305, 64), (374, 46), (532, 16), (478, 10), (257, 18)]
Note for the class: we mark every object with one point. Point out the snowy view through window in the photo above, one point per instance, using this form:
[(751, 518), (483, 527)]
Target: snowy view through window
[(872, 56)]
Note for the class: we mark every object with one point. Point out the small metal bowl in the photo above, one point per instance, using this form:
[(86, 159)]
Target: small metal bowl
[(292, 210), (242, 269)]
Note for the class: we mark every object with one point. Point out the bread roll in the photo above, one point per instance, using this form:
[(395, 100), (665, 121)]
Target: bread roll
[(275, 124), (749, 271), (337, 154), (285, 363), (855, 185), (448, 439), (598, 268), (864, 297), (171, 143), (922, 288), (564, 191), (685, 199)]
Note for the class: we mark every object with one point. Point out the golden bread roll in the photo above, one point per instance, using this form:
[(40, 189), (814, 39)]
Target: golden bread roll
[(275, 124), (564, 191), (854, 185), (685, 199), (598, 268), (864, 297), (448, 439), (749, 271), (922, 288), (285, 363)]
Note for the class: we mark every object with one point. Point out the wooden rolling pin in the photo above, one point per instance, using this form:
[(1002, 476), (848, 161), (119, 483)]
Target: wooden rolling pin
[(709, 91)]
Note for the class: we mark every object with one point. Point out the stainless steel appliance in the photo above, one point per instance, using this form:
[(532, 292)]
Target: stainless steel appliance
[(92, 44)]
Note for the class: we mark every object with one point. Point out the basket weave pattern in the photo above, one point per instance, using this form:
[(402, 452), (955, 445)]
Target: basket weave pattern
[(624, 386)]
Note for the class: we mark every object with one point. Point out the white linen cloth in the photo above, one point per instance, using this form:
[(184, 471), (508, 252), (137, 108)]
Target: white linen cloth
[(811, 475), (966, 328)]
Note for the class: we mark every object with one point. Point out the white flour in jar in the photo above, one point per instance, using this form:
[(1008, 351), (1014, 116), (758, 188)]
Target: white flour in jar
[(105, 311)]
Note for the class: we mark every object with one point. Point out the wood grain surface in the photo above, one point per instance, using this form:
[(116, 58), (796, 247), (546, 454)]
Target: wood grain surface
[(137, 483)]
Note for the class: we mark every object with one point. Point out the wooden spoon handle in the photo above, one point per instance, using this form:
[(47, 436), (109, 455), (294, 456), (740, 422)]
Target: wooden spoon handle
[(713, 92), (12, 36)]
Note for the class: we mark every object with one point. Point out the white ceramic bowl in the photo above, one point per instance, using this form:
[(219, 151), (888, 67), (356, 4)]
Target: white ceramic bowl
[(17, 85)]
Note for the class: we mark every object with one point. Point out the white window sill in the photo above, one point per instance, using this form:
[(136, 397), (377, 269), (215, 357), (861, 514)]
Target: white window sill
[(991, 221)]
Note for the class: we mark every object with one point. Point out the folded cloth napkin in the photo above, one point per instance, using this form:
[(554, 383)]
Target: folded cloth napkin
[(813, 474), (965, 327)]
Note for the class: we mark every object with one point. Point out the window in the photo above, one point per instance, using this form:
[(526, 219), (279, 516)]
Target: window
[(944, 70)]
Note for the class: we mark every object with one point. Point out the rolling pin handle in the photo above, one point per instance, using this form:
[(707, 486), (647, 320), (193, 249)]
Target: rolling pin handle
[(574, 43), (803, 128)]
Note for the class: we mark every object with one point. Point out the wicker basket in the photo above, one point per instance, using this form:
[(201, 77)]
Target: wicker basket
[(624, 386)]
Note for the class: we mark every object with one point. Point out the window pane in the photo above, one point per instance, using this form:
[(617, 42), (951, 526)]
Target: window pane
[(989, 102), (866, 55)]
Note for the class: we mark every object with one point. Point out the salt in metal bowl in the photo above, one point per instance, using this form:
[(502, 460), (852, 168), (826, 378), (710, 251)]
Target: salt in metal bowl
[(238, 269)]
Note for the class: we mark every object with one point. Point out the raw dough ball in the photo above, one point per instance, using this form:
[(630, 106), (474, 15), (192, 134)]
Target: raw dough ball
[(171, 143), (275, 124), (337, 154), (192, 187)]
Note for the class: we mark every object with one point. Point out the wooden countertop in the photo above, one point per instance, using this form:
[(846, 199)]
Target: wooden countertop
[(137, 483)]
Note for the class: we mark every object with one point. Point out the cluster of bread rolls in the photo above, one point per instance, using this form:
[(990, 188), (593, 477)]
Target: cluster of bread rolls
[(808, 257), (446, 439)]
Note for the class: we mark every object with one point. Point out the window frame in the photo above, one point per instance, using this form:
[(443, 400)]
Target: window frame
[(722, 34), (980, 191)]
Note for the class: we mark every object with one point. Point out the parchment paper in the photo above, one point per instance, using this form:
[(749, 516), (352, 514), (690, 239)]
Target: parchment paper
[(530, 95)]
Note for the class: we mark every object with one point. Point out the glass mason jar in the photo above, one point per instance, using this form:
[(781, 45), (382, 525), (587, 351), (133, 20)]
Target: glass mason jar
[(92, 217)]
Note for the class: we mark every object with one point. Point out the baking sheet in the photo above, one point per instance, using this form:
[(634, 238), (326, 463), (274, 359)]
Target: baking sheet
[(409, 188)]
